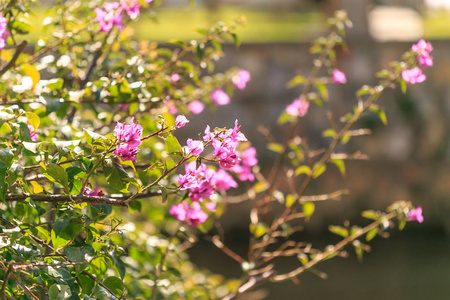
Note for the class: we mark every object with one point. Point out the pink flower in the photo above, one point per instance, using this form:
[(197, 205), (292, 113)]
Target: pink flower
[(415, 214), (203, 191), (130, 134), (244, 167), (195, 147), (174, 78), (196, 107), (110, 17), (89, 192), (240, 79), (129, 137), (3, 32), (339, 77), (126, 152), (423, 50), (414, 75), (33, 133), (222, 181), (219, 97), (298, 108), (194, 215), (181, 121), (131, 7)]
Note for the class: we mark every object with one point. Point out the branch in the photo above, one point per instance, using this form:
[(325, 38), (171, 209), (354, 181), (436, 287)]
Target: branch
[(66, 198), (323, 256), (16, 55)]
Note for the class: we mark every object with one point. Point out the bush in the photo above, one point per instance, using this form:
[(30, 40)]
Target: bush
[(99, 198)]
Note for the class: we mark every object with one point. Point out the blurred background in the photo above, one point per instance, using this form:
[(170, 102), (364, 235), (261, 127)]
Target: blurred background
[(410, 158)]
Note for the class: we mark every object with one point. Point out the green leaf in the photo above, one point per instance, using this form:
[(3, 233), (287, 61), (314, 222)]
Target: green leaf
[(163, 193), (380, 112), (5, 116), (318, 170), (32, 147), (364, 90), (114, 284), (329, 133), (55, 84), (24, 132), (275, 147), (403, 86), (338, 230), (290, 200), (98, 267), (84, 253), (370, 214), (92, 137), (308, 210), (258, 230), (60, 224), (304, 169), (340, 164), (33, 119), (371, 234), (172, 144), (297, 80), (323, 90), (7, 157), (115, 175), (53, 292), (56, 174), (66, 146), (87, 283)]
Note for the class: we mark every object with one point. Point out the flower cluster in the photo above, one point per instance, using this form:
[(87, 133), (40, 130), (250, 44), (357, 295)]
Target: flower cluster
[(181, 121), (219, 97), (298, 108), (415, 214), (247, 160), (129, 137), (112, 13), (3, 32), (191, 213), (339, 77), (201, 182), (225, 143), (415, 75), (240, 79)]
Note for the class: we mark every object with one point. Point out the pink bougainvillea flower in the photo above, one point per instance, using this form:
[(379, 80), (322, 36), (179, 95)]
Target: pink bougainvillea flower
[(129, 137), (298, 108), (3, 32), (33, 133), (423, 49), (195, 147), (110, 17), (240, 79), (181, 121), (222, 181), (414, 75), (339, 77), (219, 97), (126, 152), (246, 162), (131, 7), (174, 78), (415, 214), (193, 215), (196, 107)]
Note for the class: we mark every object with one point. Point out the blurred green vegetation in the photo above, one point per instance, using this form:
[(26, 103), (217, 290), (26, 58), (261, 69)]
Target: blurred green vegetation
[(180, 22)]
